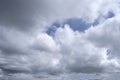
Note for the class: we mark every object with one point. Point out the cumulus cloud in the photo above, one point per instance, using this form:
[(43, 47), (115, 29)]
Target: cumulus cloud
[(80, 54), (44, 42), (75, 54), (28, 53), (106, 35)]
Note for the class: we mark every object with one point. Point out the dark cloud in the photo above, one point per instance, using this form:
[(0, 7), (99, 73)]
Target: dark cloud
[(13, 70), (20, 14), (10, 41), (86, 69)]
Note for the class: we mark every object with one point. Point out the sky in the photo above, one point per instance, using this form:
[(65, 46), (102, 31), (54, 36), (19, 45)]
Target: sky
[(59, 40)]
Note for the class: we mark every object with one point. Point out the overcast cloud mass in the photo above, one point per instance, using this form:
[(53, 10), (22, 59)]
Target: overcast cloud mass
[(59, 40)]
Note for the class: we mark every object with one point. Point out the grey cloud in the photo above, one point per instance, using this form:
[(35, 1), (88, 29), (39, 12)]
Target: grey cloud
[(20, 14), (25, 15), (73, 76), (13, 64), (13, 42), (86, 69), (67, 52), (13, 70), (74, 55), (112, 76), (19, 76), (13, 13)]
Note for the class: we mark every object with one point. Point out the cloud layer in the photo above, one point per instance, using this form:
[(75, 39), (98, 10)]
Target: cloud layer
[(28, 52)]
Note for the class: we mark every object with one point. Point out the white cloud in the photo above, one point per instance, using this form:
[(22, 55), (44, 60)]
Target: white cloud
[(106, 35), (81, 55), (44, 42)]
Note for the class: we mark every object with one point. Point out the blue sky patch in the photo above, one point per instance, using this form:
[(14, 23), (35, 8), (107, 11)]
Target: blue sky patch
[(51, 30), (76, 24), (110, 15)]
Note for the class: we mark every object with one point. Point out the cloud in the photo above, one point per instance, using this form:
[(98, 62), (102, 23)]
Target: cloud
[(28, 53), (13, 41), (110, 76), (76, 24), (27, 15), (44, 42), (68, 51), (106, 35), (79, 54), (15, 13), (20, 77)]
